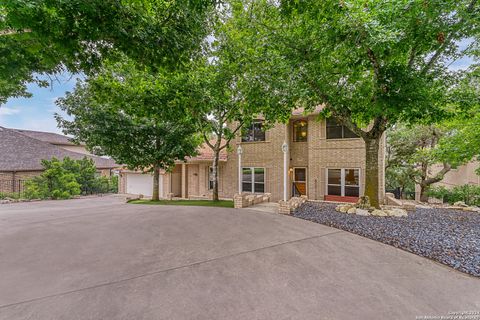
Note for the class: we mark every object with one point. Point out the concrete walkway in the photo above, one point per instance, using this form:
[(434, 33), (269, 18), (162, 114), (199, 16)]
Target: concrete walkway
[(103, 259)]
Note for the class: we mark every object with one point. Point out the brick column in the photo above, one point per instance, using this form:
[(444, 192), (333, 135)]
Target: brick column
[(184, 180)]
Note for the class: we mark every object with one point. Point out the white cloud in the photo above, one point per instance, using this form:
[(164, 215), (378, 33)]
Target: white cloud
[(7, 111)]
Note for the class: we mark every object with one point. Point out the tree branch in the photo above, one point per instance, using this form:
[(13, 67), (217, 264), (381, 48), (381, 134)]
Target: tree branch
[(447, 42), (439, 176)]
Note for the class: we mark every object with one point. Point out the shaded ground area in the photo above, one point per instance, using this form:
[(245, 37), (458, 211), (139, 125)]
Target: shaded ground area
[(451, 237), (101, 258)]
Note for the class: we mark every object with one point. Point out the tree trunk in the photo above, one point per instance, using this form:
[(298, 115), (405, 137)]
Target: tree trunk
[(372, 147), (427, 182), (423, 193), (156, 182), (215, 174)]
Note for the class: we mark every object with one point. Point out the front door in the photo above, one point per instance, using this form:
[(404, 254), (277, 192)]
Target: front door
[(299, 182)]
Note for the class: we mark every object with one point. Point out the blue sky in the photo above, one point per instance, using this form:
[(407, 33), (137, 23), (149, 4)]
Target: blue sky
[(37, 112)]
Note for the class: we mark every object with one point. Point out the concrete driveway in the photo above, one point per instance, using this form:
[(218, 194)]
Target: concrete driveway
[(102, 259)]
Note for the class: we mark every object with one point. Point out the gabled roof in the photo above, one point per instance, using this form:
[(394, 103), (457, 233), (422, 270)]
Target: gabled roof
[(19, 152), (50, 137)]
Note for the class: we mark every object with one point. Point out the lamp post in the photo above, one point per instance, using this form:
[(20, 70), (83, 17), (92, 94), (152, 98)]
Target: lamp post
[(239, 152), (285, 169)]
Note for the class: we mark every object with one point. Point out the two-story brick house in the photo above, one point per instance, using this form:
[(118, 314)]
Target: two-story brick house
[(324, 160)]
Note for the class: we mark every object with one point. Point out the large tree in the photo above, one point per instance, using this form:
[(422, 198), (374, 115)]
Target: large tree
[(132, 116), (370, 63), (39, 37), (219, 108)]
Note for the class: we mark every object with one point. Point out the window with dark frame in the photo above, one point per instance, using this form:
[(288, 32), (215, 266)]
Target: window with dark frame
[(253, 180), (343, 182), (254, 132), (300, 131), (336, 130)]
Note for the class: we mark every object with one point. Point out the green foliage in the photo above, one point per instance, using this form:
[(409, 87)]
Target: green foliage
[(367, 62), (12, 195), (467, 193), (136, 117), (67, 178), (47, 36), (423, 154), (55, 182)]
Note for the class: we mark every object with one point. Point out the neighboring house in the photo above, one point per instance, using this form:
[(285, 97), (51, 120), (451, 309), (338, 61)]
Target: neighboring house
[(56, 139), (460, 176), (325, 161), (21, 153)]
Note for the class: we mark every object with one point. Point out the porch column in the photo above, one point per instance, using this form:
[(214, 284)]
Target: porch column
[(285, 170), (184, 180), (239, 152)]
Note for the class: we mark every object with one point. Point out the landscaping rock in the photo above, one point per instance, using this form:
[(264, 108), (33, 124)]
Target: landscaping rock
[(409, 206), (472, 209), (343, 208), (451, 237), (352, 210), (378, 213), (362, 212), (460, 204), (397, 212)]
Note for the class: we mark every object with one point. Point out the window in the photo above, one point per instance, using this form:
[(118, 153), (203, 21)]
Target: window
[(300, 131), (343, 182), (253, 180), (254, 132), (338, 131)]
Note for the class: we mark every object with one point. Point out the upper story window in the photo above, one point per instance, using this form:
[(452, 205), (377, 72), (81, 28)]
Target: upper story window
[(254, 132), (300, 131), (337, 131)]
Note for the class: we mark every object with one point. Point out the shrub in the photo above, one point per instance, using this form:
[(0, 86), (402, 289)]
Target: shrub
[(467, 193), (55, 182), (12, 195)]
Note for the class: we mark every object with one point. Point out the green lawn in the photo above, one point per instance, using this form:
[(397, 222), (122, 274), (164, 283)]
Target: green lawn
[(201, 203)]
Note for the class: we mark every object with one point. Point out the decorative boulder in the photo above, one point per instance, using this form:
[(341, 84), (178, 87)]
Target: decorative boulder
[(473, 209), (460, 204), (396, 212), (378, 213), (362, 212), (352, 210)]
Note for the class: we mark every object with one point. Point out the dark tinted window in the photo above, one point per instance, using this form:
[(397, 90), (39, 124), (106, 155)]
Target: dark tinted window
[(338, 131), (254, 132)]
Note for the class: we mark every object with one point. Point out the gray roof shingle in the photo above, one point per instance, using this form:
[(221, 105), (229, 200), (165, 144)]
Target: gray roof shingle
[(50, 137), (19, 152)]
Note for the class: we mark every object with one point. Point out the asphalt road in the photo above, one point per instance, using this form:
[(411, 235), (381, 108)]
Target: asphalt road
[(100, 258)]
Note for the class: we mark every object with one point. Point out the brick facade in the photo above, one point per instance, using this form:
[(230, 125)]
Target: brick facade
[(317, 155)]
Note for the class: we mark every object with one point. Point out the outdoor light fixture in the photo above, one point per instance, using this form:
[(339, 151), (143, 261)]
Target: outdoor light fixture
[(239, 150), (285, 147)]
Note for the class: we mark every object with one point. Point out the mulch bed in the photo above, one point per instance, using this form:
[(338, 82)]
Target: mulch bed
[(451, 237)]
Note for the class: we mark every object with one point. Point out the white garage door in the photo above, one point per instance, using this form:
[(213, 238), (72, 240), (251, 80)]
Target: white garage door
[(138, 183)]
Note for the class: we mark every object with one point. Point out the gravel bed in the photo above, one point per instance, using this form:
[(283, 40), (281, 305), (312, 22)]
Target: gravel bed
[(451, 237)]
